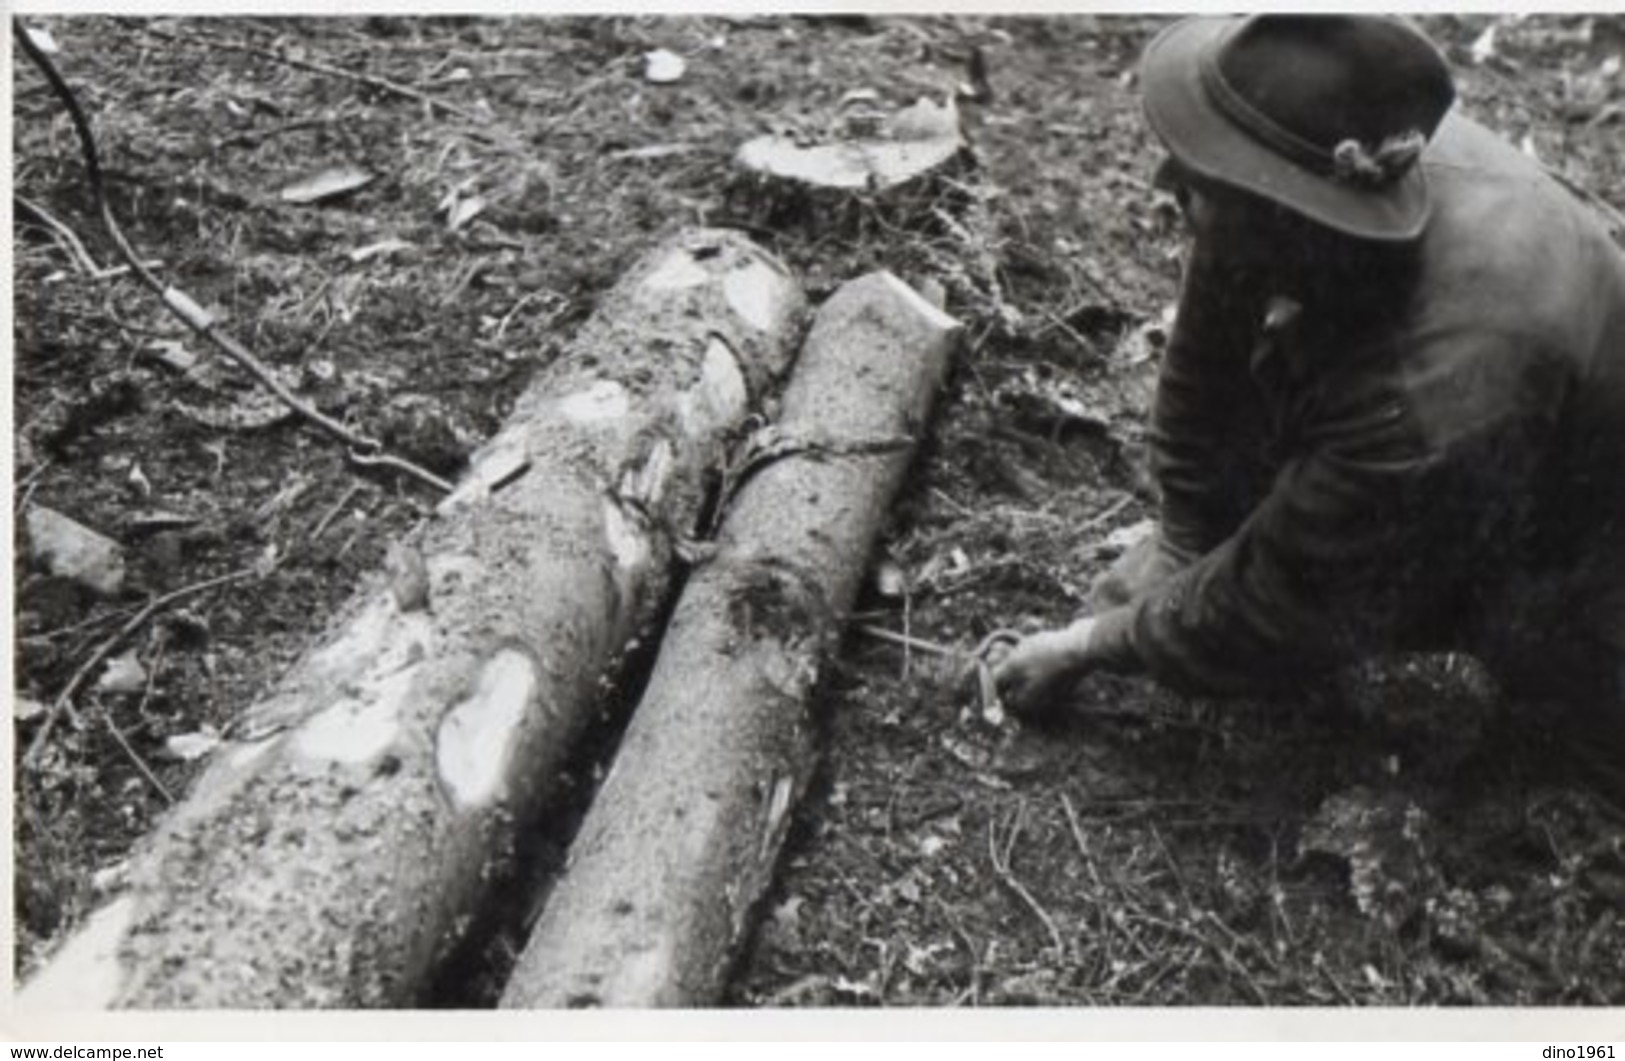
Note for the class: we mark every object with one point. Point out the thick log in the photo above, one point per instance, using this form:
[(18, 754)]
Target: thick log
[(679, 844), (334, 852)]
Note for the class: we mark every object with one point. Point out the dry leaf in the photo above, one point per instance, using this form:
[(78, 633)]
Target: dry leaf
[(42, 40), (139, 482), (189, 747), (124, 674), (326, 184), (662, 67), (890, 580), (380, 249), (926, 120), (71, 550), (652, 152), (462, 211), (110, 878), (26, 709), (173, 353), (1125, 538)]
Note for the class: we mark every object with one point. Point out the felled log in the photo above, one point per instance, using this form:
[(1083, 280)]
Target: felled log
[(680, 841), (335, 849)]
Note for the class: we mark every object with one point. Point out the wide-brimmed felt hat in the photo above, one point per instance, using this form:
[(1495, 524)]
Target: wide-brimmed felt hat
[(1326, 115)]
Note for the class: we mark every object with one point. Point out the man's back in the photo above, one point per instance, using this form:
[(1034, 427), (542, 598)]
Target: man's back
[(1529, 280)]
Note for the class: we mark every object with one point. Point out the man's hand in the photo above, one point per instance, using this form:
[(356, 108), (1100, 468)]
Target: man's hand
[(1034, 676)]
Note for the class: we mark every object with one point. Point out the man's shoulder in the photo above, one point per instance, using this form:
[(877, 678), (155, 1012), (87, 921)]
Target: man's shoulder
[(1506, 241)]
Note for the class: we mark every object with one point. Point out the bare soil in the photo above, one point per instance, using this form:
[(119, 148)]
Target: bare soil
[(1393, 836)]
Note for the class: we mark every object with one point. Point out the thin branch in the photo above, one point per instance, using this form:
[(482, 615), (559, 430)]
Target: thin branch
[(316, 67), (135, 758), (256, 137), (180, 304), (359, 456), (124, 743), (333, 513), (64, 700), (61, 233), (1001, 866)]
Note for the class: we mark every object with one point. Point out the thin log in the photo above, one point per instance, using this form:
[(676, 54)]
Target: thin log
[(680, 842), (334, 850)]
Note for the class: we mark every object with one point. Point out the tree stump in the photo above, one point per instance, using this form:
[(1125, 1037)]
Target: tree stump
[(905, 170), (335, 849), (679, 844)]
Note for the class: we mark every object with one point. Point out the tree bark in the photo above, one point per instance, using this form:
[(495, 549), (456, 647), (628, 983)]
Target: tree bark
[(334, 851), (679, 844)]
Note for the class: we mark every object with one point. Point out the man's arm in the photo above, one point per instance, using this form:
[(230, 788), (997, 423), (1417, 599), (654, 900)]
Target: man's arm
[(1374, 523), (1208, 424)]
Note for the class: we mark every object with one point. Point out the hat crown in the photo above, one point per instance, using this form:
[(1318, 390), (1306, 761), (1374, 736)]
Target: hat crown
[(1310, 85)]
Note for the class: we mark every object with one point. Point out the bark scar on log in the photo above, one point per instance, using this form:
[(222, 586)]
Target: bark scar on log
[(644, 484), (472, 747), (499, 463), (628, 542), (604, 400), (678, 270), (750, 291), (722, 394), (778, 599)]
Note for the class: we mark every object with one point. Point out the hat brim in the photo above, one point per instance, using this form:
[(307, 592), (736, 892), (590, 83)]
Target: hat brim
[(1208, 143)]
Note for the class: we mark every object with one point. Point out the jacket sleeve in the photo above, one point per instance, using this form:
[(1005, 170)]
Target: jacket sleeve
[(1207, 425), (1370, 524)]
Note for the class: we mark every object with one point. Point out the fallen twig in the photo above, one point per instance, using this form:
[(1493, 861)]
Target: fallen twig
[(385, 460), (930, 648), (333, 513), (131, 754), (113, 319), (507, 318), (25, 489), (908, 630), (123, 742), (1001, 866), (317, 67), (63, 235), (63, 704), (64, 631), (181, 304), (1106, 513), (255, 137)]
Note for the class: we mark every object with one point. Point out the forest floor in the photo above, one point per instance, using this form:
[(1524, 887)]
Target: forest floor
[(1380, 839)]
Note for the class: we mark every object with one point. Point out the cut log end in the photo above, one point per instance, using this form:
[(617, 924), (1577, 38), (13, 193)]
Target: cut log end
[(904, 170), (860, 165)]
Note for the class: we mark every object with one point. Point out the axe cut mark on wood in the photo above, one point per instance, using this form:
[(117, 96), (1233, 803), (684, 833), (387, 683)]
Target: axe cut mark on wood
[(680, 842), (350, 826)]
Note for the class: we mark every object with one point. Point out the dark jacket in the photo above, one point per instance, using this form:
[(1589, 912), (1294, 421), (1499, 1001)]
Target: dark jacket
[(1406, 447)]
